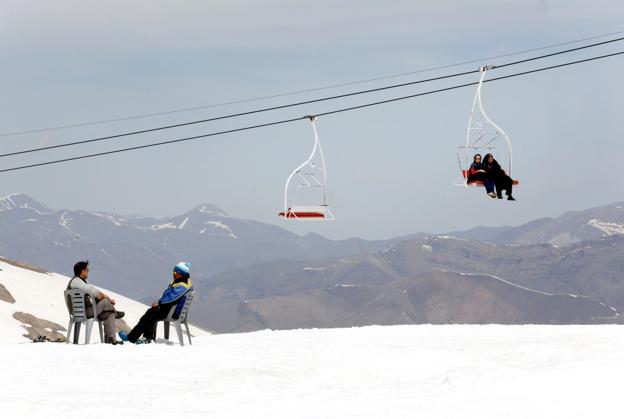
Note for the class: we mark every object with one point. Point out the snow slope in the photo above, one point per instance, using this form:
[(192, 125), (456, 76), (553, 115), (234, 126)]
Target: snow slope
[(369, 372), (41, 294)]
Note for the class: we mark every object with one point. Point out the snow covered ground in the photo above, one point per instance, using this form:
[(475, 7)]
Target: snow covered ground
[(369, 372)]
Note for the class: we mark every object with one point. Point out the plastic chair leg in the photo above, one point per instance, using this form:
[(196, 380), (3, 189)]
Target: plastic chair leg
[(178, 328), (69, 329), (166, 330), (88, 331), (76, 332), (188, 332)]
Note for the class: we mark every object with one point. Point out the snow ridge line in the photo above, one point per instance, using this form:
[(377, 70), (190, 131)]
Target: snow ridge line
[(617, 314), (505, 281)]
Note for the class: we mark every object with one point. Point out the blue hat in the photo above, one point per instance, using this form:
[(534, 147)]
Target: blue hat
[(183, 268)]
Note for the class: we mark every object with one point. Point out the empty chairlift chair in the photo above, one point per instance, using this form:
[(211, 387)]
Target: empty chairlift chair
[(183, 319), (76, 301), (483, 136), (305, 193)]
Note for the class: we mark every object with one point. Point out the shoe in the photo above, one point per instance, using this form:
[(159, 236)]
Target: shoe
[(140, 341), (499, 196), (511, 198), (111, 340), (123, 336), (492, 195), (119, 314)]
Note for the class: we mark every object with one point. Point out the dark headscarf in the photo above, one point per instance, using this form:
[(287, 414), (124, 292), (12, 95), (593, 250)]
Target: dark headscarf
[(475, 165), (493, 167)]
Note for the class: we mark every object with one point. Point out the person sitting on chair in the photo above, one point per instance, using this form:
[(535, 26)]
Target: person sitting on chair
[(174, 296), (502, 181), (477, 173), (104, 306)]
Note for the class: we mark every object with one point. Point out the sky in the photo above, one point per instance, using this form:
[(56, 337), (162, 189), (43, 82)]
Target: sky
[(392, 167)]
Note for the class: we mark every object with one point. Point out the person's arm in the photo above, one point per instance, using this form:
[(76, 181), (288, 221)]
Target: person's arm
[(79, 284), (103, 296), (90, 289)]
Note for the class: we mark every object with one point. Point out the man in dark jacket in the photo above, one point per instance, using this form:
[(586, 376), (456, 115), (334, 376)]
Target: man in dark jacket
[(174, 295)]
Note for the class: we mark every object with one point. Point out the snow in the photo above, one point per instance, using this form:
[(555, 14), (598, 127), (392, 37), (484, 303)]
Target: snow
[(205, 210), (7, 203), (64, 222), (118, 221), (41, 295), (370, 372), (183, 223), (164, 226), (507, 282), (427, 248), (609, 229), (220, 225), (444, 237), (310, 268)]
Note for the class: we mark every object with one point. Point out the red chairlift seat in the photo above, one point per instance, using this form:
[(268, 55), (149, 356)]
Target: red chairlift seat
[(306, 214), (479, 182)]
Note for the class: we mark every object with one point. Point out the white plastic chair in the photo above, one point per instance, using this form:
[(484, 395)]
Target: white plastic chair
[(76, 305), (177, 323)]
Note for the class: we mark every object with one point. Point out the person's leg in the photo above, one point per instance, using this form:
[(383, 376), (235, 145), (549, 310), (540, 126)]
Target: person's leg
[(161, 313), (489, 187), (509, 186), (145, 325), (106, 312)]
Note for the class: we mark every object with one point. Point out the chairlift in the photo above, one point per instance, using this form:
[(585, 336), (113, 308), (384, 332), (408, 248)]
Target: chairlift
[(305, 193), (483, 136)]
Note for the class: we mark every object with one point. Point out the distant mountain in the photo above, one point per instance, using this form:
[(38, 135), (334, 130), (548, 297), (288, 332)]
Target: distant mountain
[(251, 275), (134, 255), (436, 297), (569, 228), (366, 288)]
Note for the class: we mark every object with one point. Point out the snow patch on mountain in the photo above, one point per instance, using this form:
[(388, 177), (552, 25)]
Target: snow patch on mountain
[(164, 226), (507, 282), (212, 210), (608, 229), (64, 221), (118, 221), (18, 200), (220, 225), (183, 223)]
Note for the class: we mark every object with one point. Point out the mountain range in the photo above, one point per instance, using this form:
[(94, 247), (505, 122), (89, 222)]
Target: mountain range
[(134, 255), (253, 276)]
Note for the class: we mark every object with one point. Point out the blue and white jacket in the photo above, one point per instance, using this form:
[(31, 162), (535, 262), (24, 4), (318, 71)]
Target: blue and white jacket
[(176, 292)]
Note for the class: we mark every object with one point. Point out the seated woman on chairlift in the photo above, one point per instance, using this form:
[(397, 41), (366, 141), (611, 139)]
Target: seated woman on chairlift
[(501, 180), (477, 173)]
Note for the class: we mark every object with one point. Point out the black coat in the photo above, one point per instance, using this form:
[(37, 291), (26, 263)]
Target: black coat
[(498, 175)]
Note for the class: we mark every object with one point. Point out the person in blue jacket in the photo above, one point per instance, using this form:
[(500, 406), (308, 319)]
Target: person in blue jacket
[(174, 295)]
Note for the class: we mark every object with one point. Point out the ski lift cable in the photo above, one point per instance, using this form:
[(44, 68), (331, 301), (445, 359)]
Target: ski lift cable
[(537, 70), (286, 121), (306, 102), (310, 90)]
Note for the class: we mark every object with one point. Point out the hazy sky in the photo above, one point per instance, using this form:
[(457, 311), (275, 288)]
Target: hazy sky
[(392, 166)]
